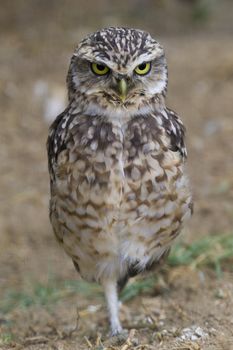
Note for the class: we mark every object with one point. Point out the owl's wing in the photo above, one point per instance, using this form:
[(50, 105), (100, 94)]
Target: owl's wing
[(55, 142), (176, 131)]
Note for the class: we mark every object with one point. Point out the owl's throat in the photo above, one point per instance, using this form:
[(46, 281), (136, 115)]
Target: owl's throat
[(113, 108)]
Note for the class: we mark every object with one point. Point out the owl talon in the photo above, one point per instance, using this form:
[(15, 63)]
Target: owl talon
[(118, 337), (116, 331)]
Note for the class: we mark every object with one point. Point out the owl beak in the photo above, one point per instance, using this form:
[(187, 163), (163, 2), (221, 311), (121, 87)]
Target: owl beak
[(123, 88)]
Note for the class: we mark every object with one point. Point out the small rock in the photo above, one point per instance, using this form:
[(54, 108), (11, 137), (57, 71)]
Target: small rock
[(200, 333), (194, 337), (164, 332), (93, 308), (193, 333)]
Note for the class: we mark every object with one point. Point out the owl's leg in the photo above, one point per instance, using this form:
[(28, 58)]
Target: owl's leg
[(110, 290)]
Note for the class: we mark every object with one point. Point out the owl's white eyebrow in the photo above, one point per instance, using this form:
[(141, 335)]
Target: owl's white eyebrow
[(100, 63)]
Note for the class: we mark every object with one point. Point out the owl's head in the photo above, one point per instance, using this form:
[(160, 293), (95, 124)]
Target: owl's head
[(117, 68)]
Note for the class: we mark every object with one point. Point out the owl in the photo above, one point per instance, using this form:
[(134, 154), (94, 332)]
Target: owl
[(119, 193)]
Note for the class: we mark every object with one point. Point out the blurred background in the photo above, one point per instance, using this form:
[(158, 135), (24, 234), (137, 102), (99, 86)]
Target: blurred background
[(37, 38)]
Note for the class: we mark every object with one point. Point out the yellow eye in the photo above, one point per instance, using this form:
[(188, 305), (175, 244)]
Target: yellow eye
[(143, 68), (99, 69)]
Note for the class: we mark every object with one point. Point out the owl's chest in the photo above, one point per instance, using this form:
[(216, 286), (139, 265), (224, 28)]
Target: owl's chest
[(111, 181), (112, 163)]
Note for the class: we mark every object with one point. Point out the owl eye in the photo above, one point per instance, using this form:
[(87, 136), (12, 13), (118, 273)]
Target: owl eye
[(143, 68), (99, 69)]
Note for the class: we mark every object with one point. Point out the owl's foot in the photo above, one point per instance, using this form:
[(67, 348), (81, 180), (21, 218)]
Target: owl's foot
[(116, 330), (118, 337)]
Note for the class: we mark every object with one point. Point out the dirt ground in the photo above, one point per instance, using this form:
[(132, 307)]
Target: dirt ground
[(186, 309)]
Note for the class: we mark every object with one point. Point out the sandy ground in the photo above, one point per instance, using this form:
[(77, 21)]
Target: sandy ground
[(186, 309)]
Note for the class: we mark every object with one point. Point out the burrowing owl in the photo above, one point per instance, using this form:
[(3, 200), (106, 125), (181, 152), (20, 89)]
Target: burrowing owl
[(119, 195)]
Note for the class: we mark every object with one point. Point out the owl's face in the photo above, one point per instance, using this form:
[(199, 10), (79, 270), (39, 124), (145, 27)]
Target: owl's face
[(118, 67)]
